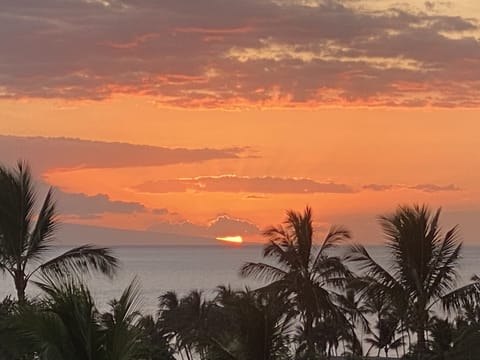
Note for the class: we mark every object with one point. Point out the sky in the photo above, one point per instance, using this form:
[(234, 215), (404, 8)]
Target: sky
[(180, 121)]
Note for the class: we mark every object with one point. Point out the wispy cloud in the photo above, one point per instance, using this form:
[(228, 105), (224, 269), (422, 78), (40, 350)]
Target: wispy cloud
[(243, 184), (420, 187), (378, 187), (434, 187)]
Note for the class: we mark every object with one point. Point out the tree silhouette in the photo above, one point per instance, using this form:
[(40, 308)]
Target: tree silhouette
[(69, 326), (26, 237), (423, 268), (303, 272)]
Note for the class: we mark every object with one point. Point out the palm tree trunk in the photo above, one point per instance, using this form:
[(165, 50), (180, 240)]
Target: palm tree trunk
[(409, 336), (308, 332), (20, 286), (404, 327), (421, 343)]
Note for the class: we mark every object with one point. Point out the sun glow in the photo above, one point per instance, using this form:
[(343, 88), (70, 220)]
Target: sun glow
[(232, 239)]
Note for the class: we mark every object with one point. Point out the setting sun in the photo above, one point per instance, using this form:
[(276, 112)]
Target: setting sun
[(232, 239)]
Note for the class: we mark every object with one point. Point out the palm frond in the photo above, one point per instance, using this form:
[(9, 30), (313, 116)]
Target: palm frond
[(359, 255), (336, 235), (283, 252), (128, 305), (169, 300), (262, 271), (83, 259), (121, 324), (444, 275), (457, 298), (44, 229), (17, 203)]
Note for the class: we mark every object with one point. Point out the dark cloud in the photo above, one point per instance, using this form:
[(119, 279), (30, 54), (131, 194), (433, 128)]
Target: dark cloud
[(434, 188), (160, 211), (87, 206), (377, 187), (419, 187), (47, 153), (259, 52), (243, 184), (223, 225)]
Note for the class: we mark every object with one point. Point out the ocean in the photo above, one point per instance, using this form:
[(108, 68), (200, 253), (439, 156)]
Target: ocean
[(184, 268)]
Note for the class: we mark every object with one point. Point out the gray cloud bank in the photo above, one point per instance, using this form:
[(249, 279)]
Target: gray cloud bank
[(261, 52), (45, 153), (428, 188), (223, 225), (244, 184)]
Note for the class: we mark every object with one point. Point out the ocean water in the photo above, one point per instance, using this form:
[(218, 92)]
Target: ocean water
[(183, 268)]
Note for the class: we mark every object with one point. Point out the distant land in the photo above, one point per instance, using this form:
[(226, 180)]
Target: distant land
[(74, 234)]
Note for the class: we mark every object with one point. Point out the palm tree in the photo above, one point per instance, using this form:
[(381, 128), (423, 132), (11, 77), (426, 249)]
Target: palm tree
[(454, 340), (384, 338), (25, 236), (302, 271), (423, 268), (355, 310), (121, 326), (250, 325), (10, 346), (185, 322), (69, 325), (155, 345)]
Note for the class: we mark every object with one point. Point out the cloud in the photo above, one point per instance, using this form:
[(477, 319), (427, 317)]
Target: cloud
[(255, 197), (434, 188), (245, 53), (47, 153), (377, 187), (223, 225), (72, 205), (86, 206), (243, 184), (160, 211), (419, 187)]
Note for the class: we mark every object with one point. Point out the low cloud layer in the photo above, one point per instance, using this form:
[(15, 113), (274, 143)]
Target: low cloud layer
[(429, 188), (85, 206), (52, 153), (244, 53), (76, 234), (243, 184), (223, 225)]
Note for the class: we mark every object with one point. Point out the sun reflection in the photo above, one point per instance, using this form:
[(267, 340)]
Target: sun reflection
[(232, 239)]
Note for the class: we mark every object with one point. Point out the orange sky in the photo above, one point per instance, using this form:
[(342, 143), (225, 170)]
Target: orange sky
[(212, 127)]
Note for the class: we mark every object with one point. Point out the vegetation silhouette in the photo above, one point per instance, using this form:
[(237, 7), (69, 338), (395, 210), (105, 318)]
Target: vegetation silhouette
[(26, 235), (316, 303), (424, 269), (306, 275), (69, 326)]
